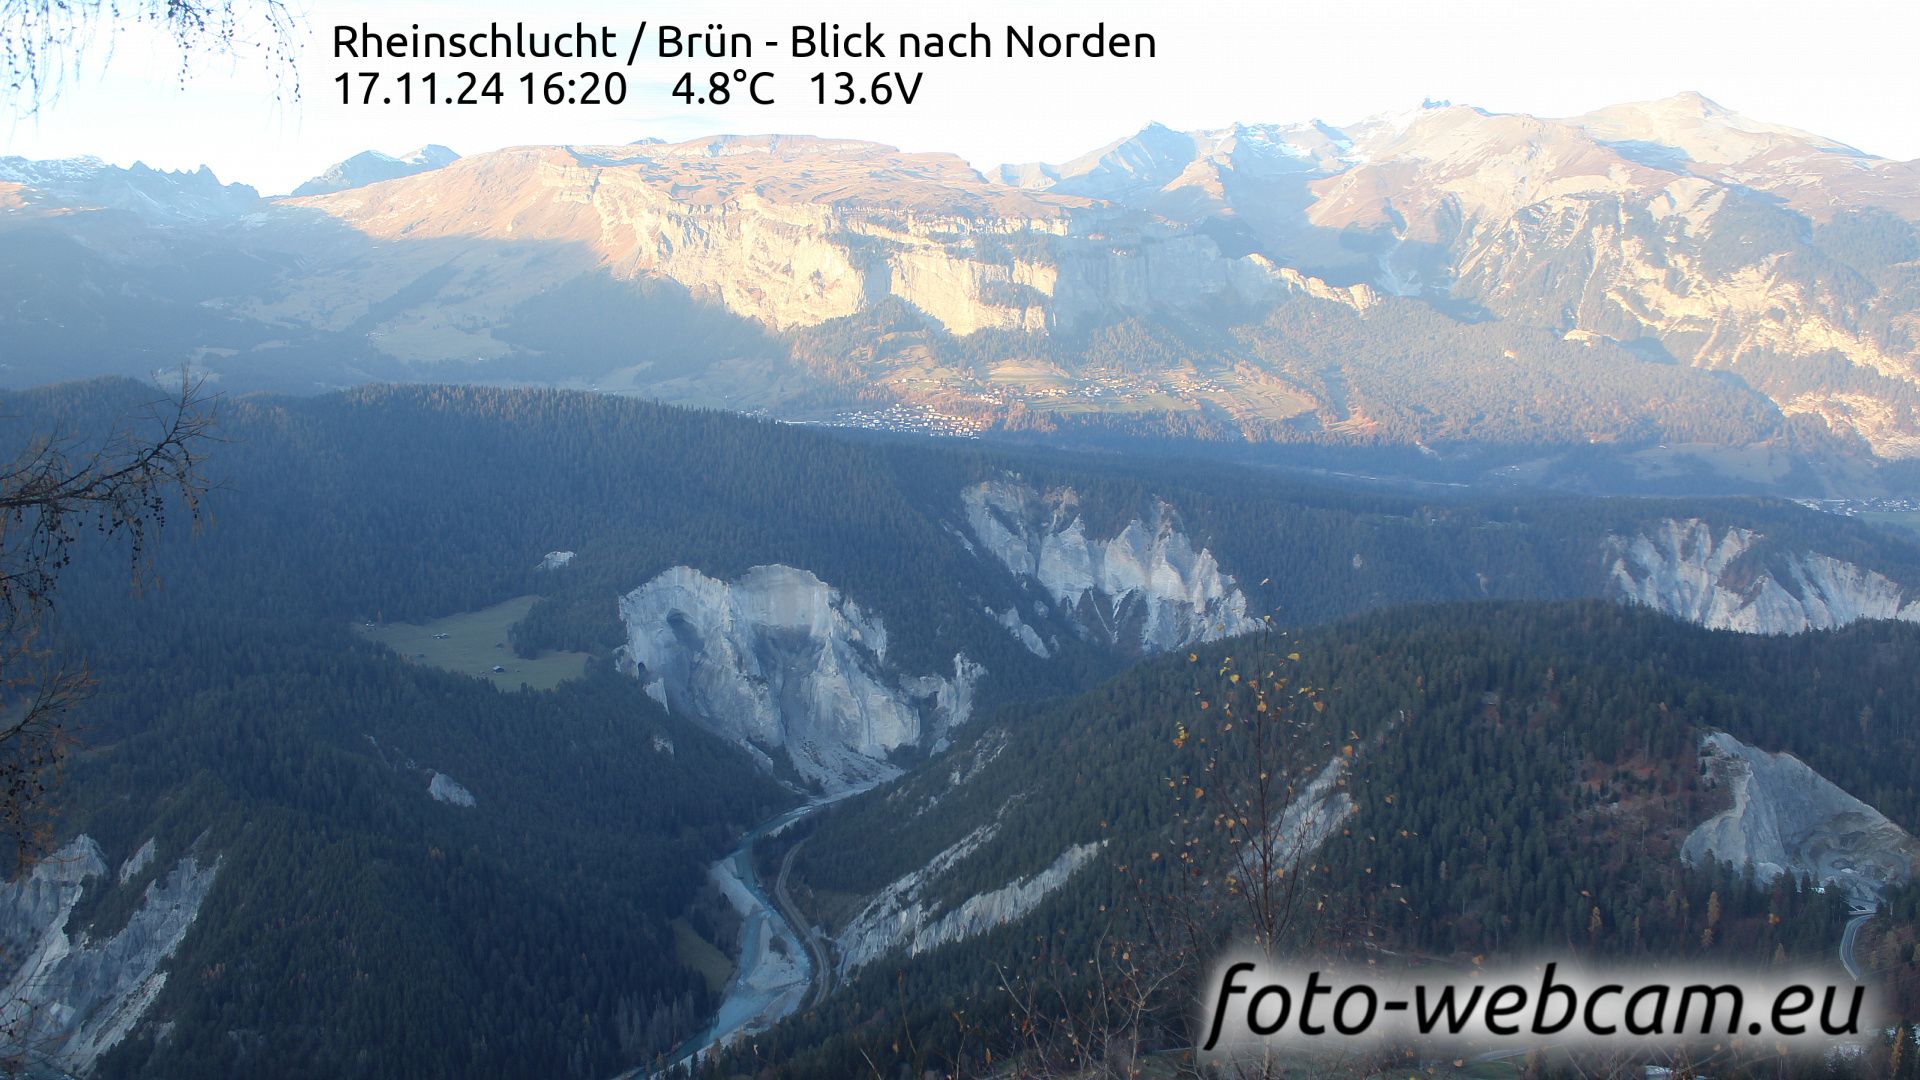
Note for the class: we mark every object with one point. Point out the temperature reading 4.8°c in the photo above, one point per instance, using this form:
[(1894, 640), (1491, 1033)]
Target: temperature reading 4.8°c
[(723, 85)]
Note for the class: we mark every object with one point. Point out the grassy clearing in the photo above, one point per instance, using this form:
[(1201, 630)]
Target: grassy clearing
[(475, 642), (701, 955)]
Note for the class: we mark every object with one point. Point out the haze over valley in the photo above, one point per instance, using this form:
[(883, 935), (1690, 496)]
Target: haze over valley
[(781, 606)]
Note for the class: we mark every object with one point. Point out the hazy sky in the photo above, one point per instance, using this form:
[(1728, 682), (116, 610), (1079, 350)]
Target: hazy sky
[(1842, 68)]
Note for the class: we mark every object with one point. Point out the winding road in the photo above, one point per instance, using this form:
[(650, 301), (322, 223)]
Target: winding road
[(816, 946), (1861, 913)]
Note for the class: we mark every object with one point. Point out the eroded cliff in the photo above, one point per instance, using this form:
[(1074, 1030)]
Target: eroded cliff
[(1727, 581), (1146, 588), (780, 662)]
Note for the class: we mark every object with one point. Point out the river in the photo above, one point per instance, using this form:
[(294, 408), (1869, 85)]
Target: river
[(774, 971)]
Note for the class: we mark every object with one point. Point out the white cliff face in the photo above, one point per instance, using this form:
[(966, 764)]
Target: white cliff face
[(1026, 635), (901, 917), (446, 789), (1313, 815), (71, 999), (1145, 588), (952, 699), (1681, 568), (779, 661), (137, 862), (1788, 819), (555, 560)]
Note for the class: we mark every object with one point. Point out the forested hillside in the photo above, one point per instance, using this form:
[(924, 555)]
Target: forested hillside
[(1520, 776), (482, 879)]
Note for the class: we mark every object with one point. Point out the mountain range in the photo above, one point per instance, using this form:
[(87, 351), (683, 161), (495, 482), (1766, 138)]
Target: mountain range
[(1668, 281)]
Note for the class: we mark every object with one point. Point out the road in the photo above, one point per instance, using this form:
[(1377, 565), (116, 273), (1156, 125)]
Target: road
[(1861, 913), (750, 1005), (810, 934)]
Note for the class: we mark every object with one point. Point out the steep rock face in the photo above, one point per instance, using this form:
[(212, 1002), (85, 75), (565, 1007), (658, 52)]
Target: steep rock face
[(903, 917), (779, 661), (446, 789), (793, 232), (1674, 268), (1312, 817), (1786, 818), (1145, 588), (1681, 568), (1011, 621), (71, 999), (1677, 227), (1608, 226)]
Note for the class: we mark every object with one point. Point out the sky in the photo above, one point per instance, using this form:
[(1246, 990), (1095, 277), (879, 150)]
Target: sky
[(1840, 68)]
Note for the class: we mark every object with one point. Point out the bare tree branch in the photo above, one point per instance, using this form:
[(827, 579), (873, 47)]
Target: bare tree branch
[(123, 487), (43, 43)]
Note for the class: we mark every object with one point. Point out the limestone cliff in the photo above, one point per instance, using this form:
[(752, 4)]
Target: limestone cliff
[(1788, 819), (902, 916), (1682, 568), (72, 997), (1145, 588), (1653, 272), (1311, 818), (780, 662), (785, 231)]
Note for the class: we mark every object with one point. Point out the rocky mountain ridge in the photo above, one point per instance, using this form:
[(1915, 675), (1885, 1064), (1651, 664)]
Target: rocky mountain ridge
[(372, 167), (151, 195), (1651, 273)]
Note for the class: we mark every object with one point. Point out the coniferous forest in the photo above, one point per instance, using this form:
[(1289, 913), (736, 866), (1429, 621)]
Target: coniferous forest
[(1520, 756)]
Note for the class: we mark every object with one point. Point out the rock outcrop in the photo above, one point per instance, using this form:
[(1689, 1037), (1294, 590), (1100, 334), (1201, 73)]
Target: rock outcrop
[(780, 662), (1726, 582), (1788, 819), (902, 916), (1146, 588), (1026, 635), (1312, 817), (70, 997), (446, 789)]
